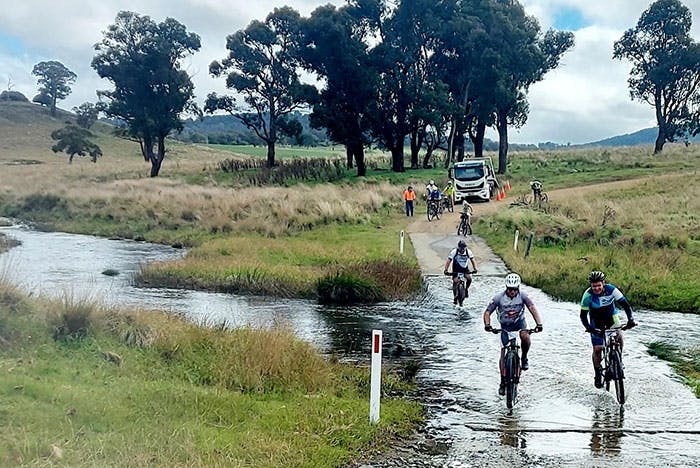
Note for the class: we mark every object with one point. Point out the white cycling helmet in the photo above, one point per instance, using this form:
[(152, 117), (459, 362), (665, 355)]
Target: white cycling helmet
[(513, 280), (432, 182)]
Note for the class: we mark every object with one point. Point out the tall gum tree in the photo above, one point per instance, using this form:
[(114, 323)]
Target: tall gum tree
[(142, 59), (335, 48), (54, 80), (665, 68), (263, 65)]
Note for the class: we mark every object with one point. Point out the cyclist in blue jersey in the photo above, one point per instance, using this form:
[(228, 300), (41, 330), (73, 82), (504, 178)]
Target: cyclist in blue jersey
[(511, 305), (598, 311)]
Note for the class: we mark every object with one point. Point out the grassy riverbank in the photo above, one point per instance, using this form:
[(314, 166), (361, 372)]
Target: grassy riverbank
[(685, 362), (80, 385), (644, 233)]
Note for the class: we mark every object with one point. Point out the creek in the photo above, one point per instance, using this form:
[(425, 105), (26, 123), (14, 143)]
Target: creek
[(559, 418)]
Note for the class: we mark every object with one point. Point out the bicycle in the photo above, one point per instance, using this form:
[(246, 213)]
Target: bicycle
[(464, 228), (460, 291), (448, 204), (511, 364), (433, 209), (612, 369)]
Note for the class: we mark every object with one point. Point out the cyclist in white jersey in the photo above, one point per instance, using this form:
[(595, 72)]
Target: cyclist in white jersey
[(511, 305)]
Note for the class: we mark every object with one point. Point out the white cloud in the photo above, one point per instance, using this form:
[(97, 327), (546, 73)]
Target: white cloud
[(585, 99)]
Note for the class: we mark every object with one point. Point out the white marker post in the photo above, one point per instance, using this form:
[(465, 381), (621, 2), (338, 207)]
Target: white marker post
[(401, 243), (375, 377), (515, 242)]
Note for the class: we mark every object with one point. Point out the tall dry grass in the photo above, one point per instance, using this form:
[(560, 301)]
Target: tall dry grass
[(645, 234)]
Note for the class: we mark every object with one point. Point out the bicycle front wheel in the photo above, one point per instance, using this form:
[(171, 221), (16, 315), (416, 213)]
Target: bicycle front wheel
[(511, 379), (619, 377)]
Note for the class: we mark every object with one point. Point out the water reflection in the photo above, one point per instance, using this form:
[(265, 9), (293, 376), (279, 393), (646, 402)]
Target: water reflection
[(510, 431), (607, 430)]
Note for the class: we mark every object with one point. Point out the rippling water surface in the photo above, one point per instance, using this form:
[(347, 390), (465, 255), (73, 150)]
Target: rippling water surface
[(559, 419)]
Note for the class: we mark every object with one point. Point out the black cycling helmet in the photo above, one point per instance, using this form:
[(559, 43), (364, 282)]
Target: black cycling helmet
[(595, 276), (461, 245)]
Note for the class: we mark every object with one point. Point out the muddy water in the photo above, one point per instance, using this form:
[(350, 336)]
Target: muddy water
[(560, 418)]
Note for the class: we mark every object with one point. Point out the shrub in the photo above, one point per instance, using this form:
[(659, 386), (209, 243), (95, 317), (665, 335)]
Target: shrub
[(73, 319), (347, 288)]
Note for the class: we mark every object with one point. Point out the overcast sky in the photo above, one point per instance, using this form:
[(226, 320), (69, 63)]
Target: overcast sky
[(585, 99)]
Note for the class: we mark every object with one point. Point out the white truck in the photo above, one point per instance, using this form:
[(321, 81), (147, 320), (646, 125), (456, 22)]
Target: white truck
[(474, 178)]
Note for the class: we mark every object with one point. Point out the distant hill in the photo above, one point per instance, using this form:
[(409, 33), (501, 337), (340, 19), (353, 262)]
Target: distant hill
[(227, 129), (645, 136)]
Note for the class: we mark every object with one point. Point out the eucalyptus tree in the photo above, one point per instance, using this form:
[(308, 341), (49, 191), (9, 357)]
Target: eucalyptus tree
[(535, 58), (666, 68), (142, 59), (263, 65), (335, 47), (459, 48), (54, 80), (403, 63)]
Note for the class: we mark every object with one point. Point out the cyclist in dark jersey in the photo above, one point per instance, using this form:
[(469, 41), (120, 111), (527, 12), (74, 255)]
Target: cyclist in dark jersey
[(598, 311)]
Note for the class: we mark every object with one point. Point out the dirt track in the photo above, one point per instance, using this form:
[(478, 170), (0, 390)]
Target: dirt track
[(433, 240)]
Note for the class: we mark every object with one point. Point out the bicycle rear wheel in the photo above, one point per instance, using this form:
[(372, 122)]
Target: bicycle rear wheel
[(618, 376), (461, 292), (511, 379)]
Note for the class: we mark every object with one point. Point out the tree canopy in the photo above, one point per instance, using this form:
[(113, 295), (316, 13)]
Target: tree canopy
[(75, 140), (54, 80), (263, 65), (142, 59), (665, 68)]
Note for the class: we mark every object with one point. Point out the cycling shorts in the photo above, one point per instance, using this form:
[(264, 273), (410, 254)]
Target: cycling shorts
[(598, 340), (518, 325)]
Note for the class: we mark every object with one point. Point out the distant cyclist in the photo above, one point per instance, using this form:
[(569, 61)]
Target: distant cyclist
[(432, 192), (449, 192), (536, 187), (460, 259), (511, 305), (598, 311)]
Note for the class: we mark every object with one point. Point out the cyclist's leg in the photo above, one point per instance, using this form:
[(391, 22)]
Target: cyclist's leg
[(455, 283)]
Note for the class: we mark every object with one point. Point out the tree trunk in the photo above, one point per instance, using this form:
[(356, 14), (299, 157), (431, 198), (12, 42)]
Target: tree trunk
[(502, 126), (359, 153), (270, 154), (460, 146), (661, 122), (348, 156), (450, 144), (397, 157), (478, 140), (416, 144), (53, 106), (157, 158)]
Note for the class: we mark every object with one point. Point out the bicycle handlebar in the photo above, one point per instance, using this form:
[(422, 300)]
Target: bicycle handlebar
[(530, 331), (466, 272), (599, 331)]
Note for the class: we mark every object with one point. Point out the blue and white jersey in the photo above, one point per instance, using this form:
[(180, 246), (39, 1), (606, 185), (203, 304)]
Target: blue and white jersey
[(510, 311), (601, 307)]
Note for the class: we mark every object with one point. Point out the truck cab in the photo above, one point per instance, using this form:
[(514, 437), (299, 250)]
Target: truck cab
[(473, 178)]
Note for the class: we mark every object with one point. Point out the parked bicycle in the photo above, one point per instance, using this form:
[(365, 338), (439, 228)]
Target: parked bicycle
[(433, 209), (511, 364), (613, 369)]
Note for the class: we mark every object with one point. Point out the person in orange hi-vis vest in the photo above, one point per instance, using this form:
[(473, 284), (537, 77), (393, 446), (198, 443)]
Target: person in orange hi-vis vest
[(409, 196)]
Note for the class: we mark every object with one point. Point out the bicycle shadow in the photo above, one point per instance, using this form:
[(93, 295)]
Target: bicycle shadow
[(607, 430)]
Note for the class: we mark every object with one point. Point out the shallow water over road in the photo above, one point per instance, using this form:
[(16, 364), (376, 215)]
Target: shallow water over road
[(559, 419)]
